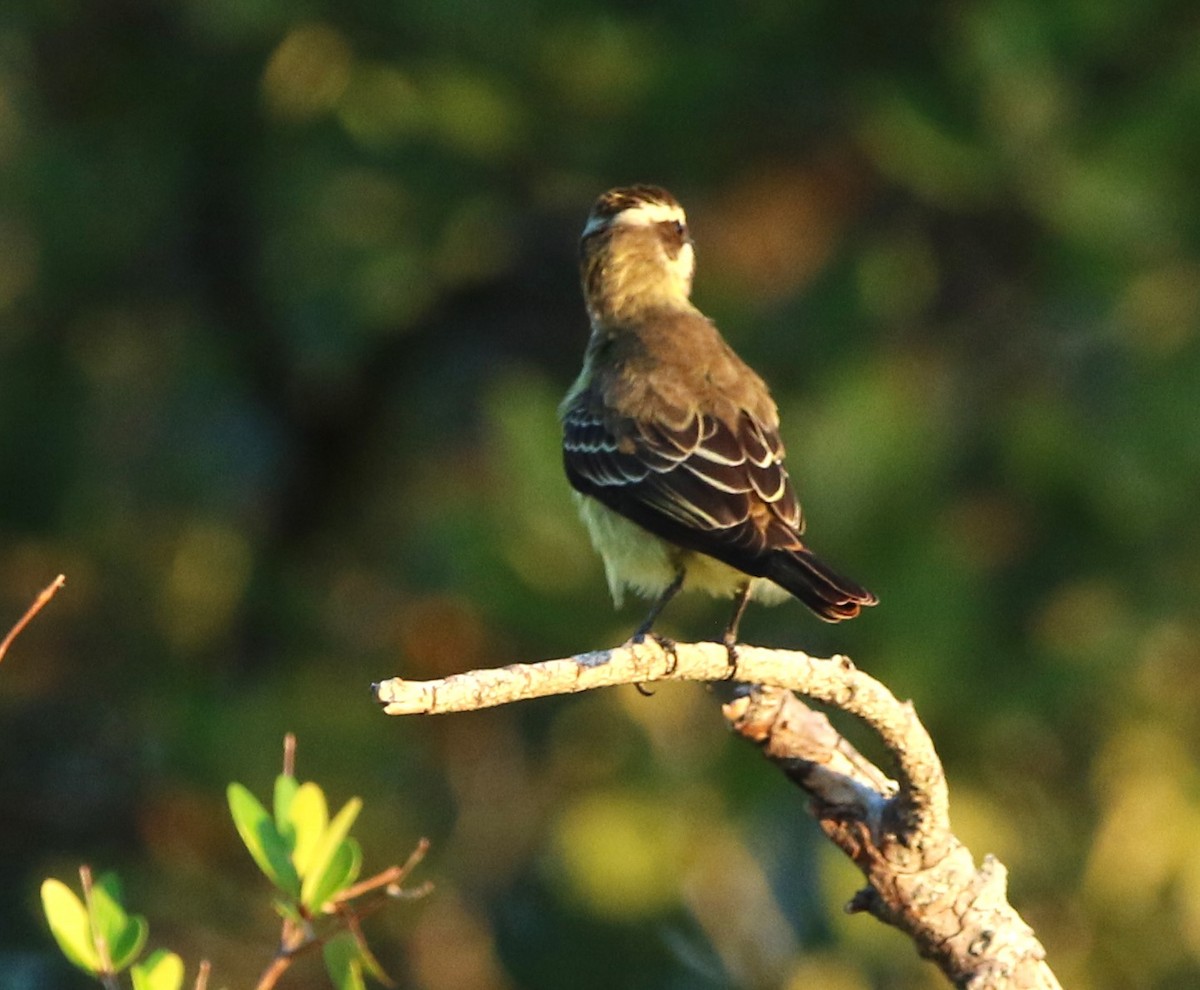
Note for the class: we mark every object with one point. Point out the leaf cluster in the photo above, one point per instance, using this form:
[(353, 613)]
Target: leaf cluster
[(311, 860)]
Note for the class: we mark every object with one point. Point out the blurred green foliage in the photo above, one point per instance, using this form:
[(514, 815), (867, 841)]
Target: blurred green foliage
[(287, 297)]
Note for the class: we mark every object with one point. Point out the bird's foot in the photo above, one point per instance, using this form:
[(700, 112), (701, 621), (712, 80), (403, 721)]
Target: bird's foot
[(665, 643)]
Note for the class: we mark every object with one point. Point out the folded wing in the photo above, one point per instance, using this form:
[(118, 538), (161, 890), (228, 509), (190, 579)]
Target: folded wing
[(711, 486)]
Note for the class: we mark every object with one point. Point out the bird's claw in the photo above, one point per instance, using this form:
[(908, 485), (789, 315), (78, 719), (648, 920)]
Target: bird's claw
[(665, 643), (668, 647)]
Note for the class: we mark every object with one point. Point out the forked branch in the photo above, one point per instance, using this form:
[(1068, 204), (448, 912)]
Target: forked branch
[(920, 878)]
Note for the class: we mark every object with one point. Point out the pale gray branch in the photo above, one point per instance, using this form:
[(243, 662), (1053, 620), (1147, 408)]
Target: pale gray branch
[(920, 878)]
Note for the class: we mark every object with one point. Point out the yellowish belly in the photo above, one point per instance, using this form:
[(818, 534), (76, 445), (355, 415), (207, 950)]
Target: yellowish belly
[(639, 561)]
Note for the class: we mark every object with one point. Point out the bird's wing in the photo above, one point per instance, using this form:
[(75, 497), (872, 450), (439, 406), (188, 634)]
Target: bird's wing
[(709, 485)]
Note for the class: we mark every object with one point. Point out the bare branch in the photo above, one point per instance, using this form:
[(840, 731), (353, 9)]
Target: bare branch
[(294, 941), (277, 967), (920, 878), (835, 681), (289, 754), (39, 603)]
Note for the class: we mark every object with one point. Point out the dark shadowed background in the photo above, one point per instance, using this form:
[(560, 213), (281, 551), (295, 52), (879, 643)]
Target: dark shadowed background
[(287, 299)]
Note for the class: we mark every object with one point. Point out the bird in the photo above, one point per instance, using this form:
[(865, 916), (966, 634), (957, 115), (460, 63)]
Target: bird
[(671, 442)]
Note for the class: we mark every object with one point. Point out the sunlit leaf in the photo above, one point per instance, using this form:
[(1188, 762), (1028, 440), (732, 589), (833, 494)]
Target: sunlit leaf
[(161, 970), (262, 839), (110, 883), (69, 924), (341, 871), (343, 962), (285, 790), (124, 934), (310, 816), (326, 849)]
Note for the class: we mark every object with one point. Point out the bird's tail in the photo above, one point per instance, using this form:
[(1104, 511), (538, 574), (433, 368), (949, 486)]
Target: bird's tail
[(812, 581)]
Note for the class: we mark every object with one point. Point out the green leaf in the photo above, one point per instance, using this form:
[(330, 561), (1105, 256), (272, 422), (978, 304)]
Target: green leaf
[(161, 970), (287, 909), (325, 851), (343, 962), (285, 789), (372, 964), (340, 873), (262, 839), (108, 917), (124, 950), (124, 934), (110, 883), (310, 817), (69, 924)]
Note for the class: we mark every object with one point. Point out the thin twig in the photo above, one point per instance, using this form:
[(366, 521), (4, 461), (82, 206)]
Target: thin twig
[(414, 858), (391, 878), (393, 874), (39, 603), (289, 754), (270, 976), (106, 974), (294, 942)]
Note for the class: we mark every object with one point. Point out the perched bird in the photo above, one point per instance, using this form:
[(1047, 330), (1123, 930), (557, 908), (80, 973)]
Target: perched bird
[(671, 441)]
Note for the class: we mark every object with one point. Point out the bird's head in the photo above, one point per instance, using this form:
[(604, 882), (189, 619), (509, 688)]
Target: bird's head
[(636, 253)]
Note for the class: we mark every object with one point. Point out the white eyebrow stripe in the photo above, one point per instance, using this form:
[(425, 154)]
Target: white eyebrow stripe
[(647, 214), (642, 215)]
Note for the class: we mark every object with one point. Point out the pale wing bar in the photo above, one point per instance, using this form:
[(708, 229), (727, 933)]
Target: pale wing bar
[(703, 475)]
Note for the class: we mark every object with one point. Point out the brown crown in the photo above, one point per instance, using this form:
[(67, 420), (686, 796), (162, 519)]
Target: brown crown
[(616, 200)]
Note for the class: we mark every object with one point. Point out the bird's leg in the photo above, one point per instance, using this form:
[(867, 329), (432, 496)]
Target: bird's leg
[(643, 630), (669, 592), (740, 601)]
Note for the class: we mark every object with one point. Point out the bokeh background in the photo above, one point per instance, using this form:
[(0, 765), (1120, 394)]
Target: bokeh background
[(287, 299)]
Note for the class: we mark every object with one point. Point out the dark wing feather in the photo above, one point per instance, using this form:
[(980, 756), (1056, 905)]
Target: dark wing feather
[(708, 486)]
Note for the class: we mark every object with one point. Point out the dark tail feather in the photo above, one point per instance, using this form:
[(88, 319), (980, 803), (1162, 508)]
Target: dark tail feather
[(823, 590)]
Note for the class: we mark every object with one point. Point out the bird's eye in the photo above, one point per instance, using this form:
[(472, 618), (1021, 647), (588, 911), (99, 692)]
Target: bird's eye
[(675, 230)]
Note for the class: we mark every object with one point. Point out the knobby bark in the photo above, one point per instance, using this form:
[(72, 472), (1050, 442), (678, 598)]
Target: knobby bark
[(920, 877)]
